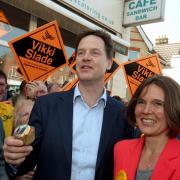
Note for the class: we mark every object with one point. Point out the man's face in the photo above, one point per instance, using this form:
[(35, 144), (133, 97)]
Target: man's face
[(2, 88), (91, 59)]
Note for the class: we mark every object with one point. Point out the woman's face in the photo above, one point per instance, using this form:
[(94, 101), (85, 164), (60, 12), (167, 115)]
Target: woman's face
[(150, 113)]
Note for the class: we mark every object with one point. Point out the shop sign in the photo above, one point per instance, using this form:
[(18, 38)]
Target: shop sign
[(138, 70), (137, 12), (40, 52), (107, 13)]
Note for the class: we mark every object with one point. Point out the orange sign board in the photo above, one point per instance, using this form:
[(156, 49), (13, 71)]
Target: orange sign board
[(72, 62), (138, 70), (40, 52), (110, 73), (72, 59), (3, 17), (4, 24)]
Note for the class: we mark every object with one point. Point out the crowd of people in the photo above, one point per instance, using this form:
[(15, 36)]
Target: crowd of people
[(85, 133), (15, 110)]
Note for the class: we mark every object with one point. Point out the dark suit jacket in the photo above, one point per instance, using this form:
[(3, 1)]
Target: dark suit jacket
[(52, 150)]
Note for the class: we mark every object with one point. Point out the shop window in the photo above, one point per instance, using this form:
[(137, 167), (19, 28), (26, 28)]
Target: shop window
[(17, 22), (13, 72), (133, 55), (13, 23), (3, 51)]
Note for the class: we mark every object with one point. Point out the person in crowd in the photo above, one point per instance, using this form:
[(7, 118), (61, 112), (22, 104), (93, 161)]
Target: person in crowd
[(6, 108), (126, 101), (11, 93), (3, 173), (54, 87), (35, 89), (22, 88), (6, 121), (75, 130), (29, 92), (155, 110), (123, 100), (118, 98), (3, 86), (21, 94), (22, 112)]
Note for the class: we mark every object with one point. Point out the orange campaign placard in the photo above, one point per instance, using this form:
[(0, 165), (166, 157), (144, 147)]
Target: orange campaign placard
[(138, 70), (72, 59), (40, 52), (5, 28), (3, 17), (72, 62), (114, 68)]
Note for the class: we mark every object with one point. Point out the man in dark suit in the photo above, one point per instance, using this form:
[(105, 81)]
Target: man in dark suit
[(75, 130)]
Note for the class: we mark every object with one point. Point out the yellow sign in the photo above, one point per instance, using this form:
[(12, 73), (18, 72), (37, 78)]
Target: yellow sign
[(7, 116), (121, 175), (40, 52), (138, 70)]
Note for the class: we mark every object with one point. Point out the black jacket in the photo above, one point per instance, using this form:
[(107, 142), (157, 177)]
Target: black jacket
[(52, 150)]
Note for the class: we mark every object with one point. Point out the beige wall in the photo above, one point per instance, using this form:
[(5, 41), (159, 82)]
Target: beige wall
[(138, 42)]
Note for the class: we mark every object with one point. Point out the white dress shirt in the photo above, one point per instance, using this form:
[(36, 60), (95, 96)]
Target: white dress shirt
[(87, 124)]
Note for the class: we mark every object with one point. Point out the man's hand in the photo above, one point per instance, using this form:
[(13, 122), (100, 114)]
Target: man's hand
[(35, 89), (15, 151)]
